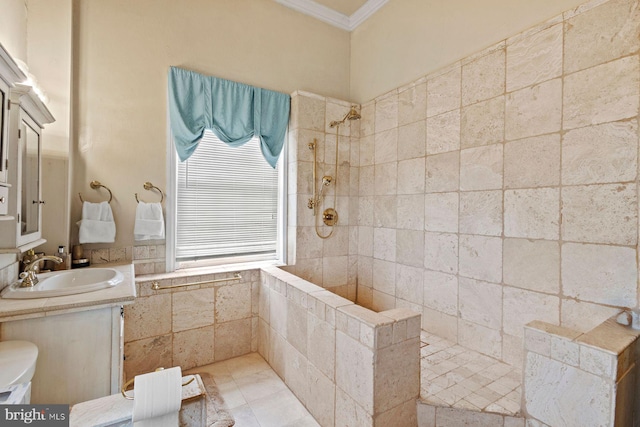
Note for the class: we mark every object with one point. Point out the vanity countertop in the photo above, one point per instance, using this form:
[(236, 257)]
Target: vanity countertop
[(121, 294)]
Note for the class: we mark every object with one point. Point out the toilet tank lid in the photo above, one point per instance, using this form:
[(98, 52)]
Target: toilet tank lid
[(16, 359)]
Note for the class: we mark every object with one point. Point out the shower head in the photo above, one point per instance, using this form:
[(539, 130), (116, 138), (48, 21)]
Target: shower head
[(351, 115)]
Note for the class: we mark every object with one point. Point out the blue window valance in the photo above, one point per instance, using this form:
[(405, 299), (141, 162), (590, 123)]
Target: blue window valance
[(235, 112)]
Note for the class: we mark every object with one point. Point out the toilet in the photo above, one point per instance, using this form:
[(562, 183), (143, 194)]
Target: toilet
[(17, 366)]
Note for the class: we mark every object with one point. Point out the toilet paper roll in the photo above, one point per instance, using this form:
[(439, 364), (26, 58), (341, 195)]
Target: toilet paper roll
[(157, 397)]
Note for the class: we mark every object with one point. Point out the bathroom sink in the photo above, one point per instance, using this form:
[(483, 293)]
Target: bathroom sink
[(62, 283)]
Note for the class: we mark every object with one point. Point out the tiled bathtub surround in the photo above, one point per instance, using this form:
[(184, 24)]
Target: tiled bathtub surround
[(147, 259), (193, 325), (503, 189), (348, 365)]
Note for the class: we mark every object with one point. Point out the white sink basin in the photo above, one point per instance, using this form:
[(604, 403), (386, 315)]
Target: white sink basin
[(60, 283)]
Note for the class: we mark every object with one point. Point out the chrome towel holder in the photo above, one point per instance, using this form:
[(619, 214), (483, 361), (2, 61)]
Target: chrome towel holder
[(95, 185), (149, 186)]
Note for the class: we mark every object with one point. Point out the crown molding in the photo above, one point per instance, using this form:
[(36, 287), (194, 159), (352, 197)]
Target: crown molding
[(330, 16), (362, 14)]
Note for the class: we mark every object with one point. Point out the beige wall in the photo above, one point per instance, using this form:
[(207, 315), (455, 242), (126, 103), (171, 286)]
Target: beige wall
[(49, 45), (124, 50), (13, 27), (407, 39)]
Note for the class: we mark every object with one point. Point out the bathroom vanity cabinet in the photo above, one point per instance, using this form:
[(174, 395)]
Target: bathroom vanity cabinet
[(23, 117), (79, 339)]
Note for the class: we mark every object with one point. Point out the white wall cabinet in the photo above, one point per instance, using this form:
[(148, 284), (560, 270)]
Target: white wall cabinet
[(23, 118)]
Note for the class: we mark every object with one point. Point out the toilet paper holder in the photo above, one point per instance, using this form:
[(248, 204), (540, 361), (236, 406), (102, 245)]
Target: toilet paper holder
[(123, 390)]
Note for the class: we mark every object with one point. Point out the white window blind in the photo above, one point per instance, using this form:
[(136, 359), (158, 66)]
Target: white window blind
[(227, 202)]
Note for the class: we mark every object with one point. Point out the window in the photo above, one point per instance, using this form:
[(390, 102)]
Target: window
[(229, 205)]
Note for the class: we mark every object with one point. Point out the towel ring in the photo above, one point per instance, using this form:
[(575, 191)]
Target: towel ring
[(148, 186), (95, 185)]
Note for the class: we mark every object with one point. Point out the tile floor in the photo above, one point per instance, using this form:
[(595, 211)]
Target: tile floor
[(454, 376), (255, 394)]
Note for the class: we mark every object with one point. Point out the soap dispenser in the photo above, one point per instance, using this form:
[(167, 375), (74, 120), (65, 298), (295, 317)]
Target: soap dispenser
[(65, 264)]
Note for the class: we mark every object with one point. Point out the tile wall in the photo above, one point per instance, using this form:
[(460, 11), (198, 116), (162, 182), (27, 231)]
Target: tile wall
[(190, 326), (348, 365), (504, 188), (331, 263)]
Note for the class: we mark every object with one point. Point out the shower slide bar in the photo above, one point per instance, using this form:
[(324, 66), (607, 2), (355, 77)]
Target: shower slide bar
[(156, 286)]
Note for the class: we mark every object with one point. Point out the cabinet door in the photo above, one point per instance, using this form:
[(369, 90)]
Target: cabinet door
[(29, 164), (4, 101)]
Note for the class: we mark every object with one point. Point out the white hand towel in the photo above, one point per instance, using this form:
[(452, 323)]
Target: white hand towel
[(157, 397), (97, 225), (149, 222)]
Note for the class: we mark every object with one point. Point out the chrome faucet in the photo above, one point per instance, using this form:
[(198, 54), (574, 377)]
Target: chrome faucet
[(28, 276)]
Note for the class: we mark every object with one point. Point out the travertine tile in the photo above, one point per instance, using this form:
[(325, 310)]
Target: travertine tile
[(460, 417), (232, 339), (521, 307), (565, 351), (233, 302), (412, 104), (443, 92), (481, 213), (573, 391), (441, 292), (193, 347), (600, 154), (403, 415), (534, 110), (600, 274), (310, 112), (584, 316), (397, 375), (532, 162), (411, 140), (385, 211), (410, 247), (443, 325), (349, 412), (441, 212), (441, 252), (386, 146), (480, 302), (320, 396), (367, 122), (384, 275), (386, 113), (443, 132), (482, 123), (146, 355), (601, 94), (148, 317), (480, 338), (483, 78), (278, 312), (442, 172), (335, 271), (480, 168), (535, 58), (532, 264), (481, 258), (384, 244), (409, 283), (297, 326), (411, 176), (534, 214), (295, 375), (600, 214), (195, 308), (386, 177), (601, 34), (355, 370), (367, 150), (410, 215)]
